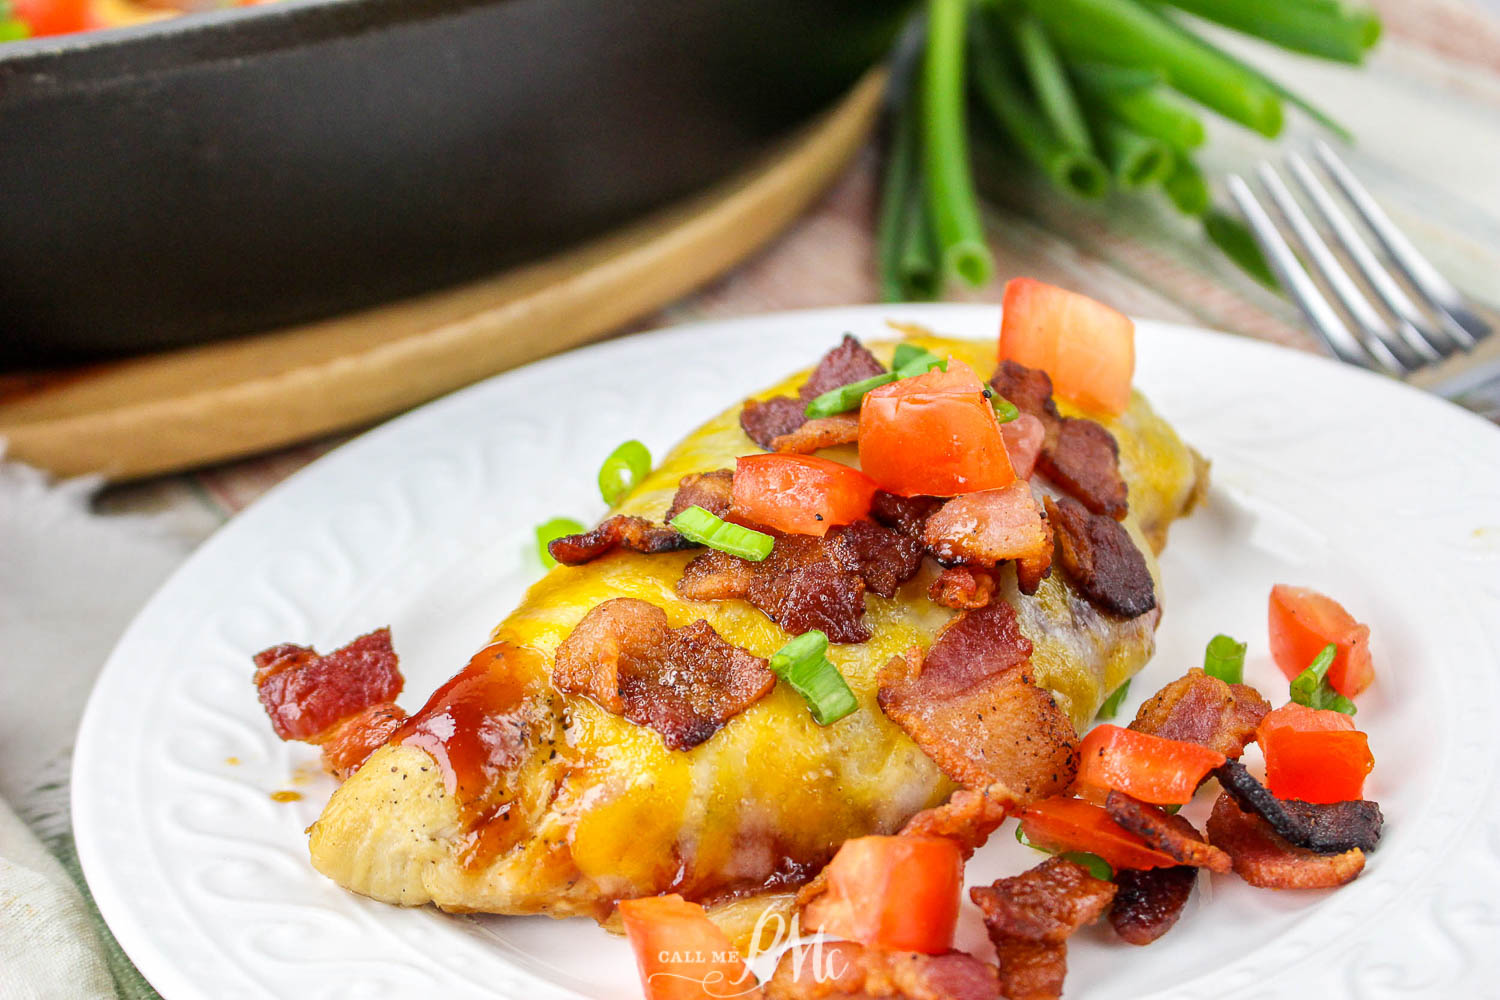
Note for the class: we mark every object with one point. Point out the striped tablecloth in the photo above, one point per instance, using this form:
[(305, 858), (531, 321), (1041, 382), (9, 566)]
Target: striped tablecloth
[(1426, 112)]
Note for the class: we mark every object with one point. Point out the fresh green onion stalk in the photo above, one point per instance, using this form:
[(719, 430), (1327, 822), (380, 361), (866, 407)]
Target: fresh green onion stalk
[(1224, 658), (909, 361), (551, 531), (1311, 687), (1111, 706), (698, 525), (804, 665), (623, 470), (949, 184), (1097, 866)]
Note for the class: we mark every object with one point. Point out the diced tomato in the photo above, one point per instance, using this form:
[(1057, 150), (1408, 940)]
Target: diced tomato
[(1065, 824), (1087, 347), (681, 954), (900, 893), (800, 494), (1303, 621), (52, 17), (933, 435), (1149, 768), (1314, 755), (1024, 437)]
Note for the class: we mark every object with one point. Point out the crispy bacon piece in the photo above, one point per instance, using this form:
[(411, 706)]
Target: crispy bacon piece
[(819, 432), (1079, 455), (777, 417), (1197, 708), (685, 683), (621, 531), (713, 491), (962, 587), (1264, 858), (1330, 828), (352, 741), (781, 416), (1148, 901), (810, 582), (307, 694), (1024, 438), (971, 706), (992, 526), (853, 971), (1083, 458), (1101, 558), (1166, 832), (967, 818), (1030, 917), (907, 515)]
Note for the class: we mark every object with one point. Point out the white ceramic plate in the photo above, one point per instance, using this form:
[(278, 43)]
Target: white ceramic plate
[(1324, 476)]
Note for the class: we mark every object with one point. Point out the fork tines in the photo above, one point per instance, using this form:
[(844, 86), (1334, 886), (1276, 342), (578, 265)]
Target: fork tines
[(1401, 338)]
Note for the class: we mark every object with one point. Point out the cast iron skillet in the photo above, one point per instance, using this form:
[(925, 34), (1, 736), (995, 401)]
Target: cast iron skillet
[(222, 173)]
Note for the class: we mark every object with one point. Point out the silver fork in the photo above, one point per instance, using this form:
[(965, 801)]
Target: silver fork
[(1403, 339)]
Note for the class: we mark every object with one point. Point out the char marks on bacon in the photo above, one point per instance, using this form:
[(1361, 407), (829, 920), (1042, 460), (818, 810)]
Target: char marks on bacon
[(818, 433), (1198, 708), (1101, 558), (307, 694), (967, 818), (852, 971), (1148, 901), (620, 531), (1030, 917), (1325, 828), (781, 416), (713, 491), (685, 683), (971, 706), (962, 587), (993, 526), (907, 515), (1168, 833), (1079, 455), (884, 558), (1265, 859)]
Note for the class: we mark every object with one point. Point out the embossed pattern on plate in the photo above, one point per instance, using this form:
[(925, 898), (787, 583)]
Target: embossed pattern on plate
[(1323, 475)]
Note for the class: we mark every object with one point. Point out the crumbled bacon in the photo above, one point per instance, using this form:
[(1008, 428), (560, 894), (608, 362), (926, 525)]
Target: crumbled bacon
[(1197, 708), (1101, 558), (685, 683), (781, 416), (352, 741), (621, 531), (713, 491), (1024, 437), (1148, 901), (307, 694), (1079, 455), (1264, 858), (962, 587), (1030, 917), (819, 432), (853, 971), (992, 526), (967, 818), (907, 515), (1325, 828), (1168, 833), (971, 707), (810, 582)]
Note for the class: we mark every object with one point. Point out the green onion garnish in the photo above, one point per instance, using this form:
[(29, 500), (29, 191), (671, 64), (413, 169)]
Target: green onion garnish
[(1005, 410), (803, 665), (909, 361), (1225, 659), (1305, 685), (1112, 703), (558, 527), (626, 466), (698, 525), (1097, 866)]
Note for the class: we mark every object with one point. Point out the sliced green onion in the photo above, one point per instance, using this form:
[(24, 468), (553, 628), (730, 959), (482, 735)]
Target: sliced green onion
[(1097, 866), (1154, 112), (1135, 160), (1305, 685), (1186, 187), (1233, 237), (13, 30), (1111, 706), (1172, 809), (698, 525), (802, 663), (910, 360), (951, 200), (919, 364), (1005, 410), (907, 354), (1332, 700), (1224, 658), (550, 531), (625, 467)]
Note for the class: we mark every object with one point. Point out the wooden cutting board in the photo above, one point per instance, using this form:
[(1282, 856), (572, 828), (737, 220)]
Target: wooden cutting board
[(200, 405)]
